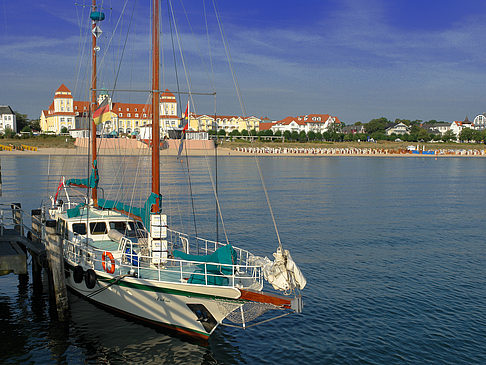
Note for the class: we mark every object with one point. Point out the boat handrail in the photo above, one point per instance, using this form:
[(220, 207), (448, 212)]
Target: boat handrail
[(183, 271), (211, 246)]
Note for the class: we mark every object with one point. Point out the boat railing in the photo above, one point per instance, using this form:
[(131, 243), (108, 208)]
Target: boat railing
[(206, 247), (127, 262)]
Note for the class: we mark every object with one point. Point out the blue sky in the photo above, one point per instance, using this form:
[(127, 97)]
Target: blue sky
[(357, 60)]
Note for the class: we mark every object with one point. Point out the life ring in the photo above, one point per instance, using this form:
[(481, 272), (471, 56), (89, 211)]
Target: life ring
[(110, 269)]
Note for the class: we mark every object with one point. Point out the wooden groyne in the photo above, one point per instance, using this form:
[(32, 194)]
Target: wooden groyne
[(352, 151)]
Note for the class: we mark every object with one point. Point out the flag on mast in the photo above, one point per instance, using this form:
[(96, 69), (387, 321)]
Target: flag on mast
[(102, 113), (184, 129)]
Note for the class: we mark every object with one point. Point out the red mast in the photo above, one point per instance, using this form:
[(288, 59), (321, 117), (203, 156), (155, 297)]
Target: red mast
[(155, 104), (94, 191)]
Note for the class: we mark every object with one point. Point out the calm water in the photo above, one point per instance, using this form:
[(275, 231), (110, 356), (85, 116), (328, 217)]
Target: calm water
[(393, 249)]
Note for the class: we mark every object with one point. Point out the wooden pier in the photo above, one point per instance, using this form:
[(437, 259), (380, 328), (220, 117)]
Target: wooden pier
[(41, 242)]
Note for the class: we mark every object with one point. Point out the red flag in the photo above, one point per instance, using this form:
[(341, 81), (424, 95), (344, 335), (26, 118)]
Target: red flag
[(61, 183)]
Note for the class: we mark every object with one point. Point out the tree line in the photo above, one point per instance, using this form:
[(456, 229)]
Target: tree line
[(375, 130)]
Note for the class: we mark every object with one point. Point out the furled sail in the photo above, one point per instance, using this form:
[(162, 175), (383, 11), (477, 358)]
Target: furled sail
[(283, 273)]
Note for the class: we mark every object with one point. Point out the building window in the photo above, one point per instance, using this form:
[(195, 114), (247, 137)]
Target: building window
[(129, 115), (121, 115), (145, 115), (136, 109), (136, 114), (128, 110), (119, 109)]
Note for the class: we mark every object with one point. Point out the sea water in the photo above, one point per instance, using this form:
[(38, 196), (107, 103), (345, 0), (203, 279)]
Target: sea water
[(393, 250)]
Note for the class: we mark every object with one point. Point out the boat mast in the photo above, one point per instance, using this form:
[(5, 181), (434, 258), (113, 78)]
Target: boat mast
[(155, 104), (94, 190)]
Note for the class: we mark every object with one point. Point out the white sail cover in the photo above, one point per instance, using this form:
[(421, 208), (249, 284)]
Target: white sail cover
[(282, 273)]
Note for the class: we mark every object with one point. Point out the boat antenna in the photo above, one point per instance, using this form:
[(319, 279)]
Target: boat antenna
[(155, 106)]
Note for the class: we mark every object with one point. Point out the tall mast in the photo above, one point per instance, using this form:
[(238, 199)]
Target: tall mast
[(155, 104), (94, 191)]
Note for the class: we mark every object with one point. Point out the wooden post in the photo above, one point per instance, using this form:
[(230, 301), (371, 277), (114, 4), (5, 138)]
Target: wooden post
[(55, 258), (18, 226), (36, 237), (17, 218)]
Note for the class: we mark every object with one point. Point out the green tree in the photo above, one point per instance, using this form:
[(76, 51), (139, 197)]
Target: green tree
[(222, 133), (311, 136), (476, 136), (9, 133), (466, 134), (302, 136), (35, 125), (287, 135), (294, 136), (244, 132), (423, 135), (26, 129), (377, 125), (318, 136), (22, 120), (348, 137), (448, 136), (64, 130)]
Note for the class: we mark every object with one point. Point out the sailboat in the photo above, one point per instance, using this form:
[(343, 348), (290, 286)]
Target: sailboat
[(129, 260)]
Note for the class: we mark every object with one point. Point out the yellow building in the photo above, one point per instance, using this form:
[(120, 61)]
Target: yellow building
[(228, 123), (60, 113), (125, 117)]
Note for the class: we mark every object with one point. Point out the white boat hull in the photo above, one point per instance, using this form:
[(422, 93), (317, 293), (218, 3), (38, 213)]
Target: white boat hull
[(189, 309)]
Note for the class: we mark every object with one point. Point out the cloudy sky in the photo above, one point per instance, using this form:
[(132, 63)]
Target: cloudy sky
[(356, 59)]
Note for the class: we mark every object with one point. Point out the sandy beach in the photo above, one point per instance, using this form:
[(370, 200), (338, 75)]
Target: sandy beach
[(249, 152)]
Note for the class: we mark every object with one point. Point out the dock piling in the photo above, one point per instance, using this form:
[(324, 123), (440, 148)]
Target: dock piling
[(54, 250), (36, 235)]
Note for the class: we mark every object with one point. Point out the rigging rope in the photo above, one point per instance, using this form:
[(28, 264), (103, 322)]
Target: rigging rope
[(235, 81)]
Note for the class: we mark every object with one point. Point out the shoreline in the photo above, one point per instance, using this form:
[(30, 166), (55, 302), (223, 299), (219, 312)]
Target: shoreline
[(223, 151)]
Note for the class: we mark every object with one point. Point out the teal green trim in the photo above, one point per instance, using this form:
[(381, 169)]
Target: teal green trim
[(93, 180), (142, 213), (76, 211), (165, 290)]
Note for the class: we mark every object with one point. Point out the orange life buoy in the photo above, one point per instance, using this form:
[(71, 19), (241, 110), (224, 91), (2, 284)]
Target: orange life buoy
[(110, 269)]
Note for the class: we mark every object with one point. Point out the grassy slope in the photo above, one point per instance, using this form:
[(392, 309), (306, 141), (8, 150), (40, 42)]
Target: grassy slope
[(41, 142)]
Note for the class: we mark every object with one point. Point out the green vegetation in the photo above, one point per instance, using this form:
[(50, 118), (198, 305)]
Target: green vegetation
[(41, 141), (374, 130)]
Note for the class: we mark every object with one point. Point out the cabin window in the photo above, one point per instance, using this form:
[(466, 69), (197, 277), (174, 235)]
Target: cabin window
[(79, 228), (119, 226), (98, 228)]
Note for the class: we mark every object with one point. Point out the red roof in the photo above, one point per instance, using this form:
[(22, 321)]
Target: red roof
[(309, 118), (266, 126), (63, 88), (166, 93), (63, 96), (80, 105)]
